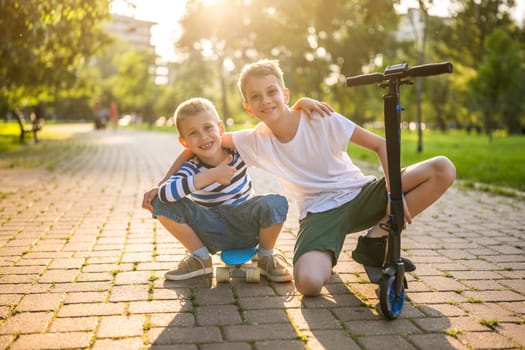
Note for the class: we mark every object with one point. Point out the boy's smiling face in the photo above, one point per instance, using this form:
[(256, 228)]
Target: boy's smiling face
[(266, 98), (202, 134)]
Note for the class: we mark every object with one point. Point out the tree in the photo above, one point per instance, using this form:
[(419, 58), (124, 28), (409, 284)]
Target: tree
[(43, 44), (499, 75), (317, 42), (134, 84), (475, 20)]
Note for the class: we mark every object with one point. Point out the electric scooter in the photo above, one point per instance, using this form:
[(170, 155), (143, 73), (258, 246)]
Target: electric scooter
[(391, 276)]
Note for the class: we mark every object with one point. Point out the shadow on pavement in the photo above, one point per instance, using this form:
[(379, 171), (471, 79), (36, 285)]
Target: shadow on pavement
[(226, 315), (349, 317)]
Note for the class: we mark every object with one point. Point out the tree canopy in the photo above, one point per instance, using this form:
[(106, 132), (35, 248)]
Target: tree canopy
[(51, 50), (44, 43)]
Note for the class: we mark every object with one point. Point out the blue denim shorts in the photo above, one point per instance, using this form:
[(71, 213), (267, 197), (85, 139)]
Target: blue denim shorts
[(226, 226)]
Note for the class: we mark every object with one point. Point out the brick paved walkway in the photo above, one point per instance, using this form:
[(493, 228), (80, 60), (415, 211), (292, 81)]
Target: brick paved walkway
[(82, 265)]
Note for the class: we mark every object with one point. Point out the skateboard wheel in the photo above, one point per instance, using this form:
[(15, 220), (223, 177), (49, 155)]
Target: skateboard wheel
[(253, 275), (222, 274)]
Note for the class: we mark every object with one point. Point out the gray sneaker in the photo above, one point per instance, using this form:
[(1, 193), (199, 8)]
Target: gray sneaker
[(274, 268), (189, 267)]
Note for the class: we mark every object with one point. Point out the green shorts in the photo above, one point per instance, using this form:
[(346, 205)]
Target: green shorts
[(326, 231)]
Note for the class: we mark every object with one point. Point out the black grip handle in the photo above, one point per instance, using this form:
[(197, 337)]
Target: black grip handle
[(425, 70), (365, 79), (416, 71)]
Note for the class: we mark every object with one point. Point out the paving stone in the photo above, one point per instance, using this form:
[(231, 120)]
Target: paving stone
[(217, 315), (513, 331), (129, 292), (330, 339), (227, 346), (314, 319), (121, 326), (94, 309), (52, 341), (440, 324), (436, 341), (110, 344), (26, 322), (173, 319), (40, 302), (486, 340), (73, 324), (255, 317), (259, 332), (381, 327), (159, 306), (190, 335), (385, 341)]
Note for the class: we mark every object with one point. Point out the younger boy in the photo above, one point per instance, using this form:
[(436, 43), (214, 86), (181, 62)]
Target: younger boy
[(334, 197), (223, 212)]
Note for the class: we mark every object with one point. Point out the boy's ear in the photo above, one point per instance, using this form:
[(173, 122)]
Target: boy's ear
[(247, 107), (286, 95), (221, 128), (183, 142)]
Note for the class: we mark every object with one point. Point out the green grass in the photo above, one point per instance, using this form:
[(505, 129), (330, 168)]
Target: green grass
[(500, 163), (53, 148), (10, 136)]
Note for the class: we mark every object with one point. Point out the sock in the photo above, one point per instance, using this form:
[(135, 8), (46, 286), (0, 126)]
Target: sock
[(264, 252), (201, 253)]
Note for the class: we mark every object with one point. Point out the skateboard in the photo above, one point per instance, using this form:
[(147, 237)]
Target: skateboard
[(237, 263)]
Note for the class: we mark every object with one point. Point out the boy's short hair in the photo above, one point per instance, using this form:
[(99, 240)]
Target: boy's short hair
[(259, 68), (192, 107)]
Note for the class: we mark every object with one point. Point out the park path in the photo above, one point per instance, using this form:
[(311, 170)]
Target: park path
[(82, 265)]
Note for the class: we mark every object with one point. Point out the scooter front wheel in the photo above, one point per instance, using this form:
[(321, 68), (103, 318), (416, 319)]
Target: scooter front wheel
[(391, 305)]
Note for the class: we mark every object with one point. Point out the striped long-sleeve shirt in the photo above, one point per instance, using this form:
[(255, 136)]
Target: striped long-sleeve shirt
[(182, 184)]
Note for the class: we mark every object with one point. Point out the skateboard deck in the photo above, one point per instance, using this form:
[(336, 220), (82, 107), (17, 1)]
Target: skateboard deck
[(237, 264)]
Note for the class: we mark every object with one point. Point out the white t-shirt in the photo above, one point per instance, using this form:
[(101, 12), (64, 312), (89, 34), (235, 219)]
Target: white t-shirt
[(313, 168)]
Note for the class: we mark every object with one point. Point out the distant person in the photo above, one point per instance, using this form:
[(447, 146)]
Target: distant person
[(114, 114)]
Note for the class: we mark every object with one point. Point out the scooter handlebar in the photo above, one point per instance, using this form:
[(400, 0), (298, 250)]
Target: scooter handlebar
[(416, 71)]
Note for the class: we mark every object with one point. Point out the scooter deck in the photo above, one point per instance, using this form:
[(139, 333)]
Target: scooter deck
[(374, 273)]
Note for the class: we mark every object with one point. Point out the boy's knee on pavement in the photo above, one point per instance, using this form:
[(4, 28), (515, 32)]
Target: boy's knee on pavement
[(307, 284), (312, 271)]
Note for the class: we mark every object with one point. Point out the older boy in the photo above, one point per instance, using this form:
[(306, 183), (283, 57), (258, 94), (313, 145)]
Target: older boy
[(223, 212), (333, 195)]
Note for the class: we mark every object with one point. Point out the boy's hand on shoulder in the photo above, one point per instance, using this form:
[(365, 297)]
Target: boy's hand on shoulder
[(309, 106), (223, 172)]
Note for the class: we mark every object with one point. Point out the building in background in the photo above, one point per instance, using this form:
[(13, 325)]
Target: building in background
[(133, 31), (137, 33)]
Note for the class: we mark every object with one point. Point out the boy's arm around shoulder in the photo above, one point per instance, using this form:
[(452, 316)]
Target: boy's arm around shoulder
[(372, 142), (309, 106)]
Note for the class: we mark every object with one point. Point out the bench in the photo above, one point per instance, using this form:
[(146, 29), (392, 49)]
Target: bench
[(33, 127)]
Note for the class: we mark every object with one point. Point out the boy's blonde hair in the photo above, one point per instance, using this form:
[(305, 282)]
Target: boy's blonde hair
[(192, 107), (260, 68)]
